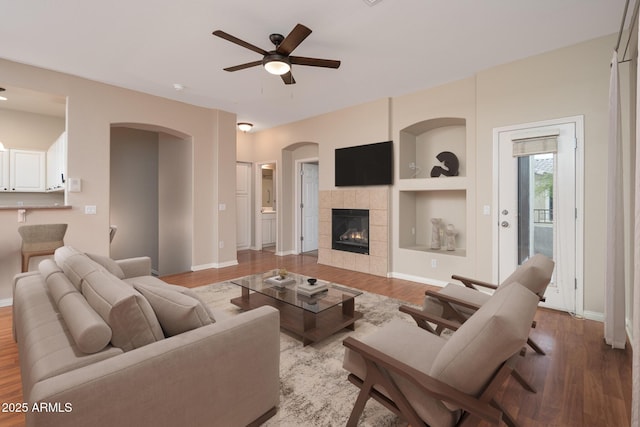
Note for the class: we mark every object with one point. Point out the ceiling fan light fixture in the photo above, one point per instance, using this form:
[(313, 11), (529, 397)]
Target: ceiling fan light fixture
[(276, 64), (245, 126)]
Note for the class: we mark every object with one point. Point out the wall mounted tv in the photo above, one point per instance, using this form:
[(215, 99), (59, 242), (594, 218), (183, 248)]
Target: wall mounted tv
[(370, 164)]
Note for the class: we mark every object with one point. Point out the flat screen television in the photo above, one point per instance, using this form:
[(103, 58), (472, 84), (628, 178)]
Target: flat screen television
[(370, 164)]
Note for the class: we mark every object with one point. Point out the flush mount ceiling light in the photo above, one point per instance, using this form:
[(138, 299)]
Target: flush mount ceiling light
[(2, 98), (245, 126)]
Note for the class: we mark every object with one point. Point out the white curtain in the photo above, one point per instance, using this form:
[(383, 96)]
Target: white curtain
[(614, 310), (635, 411)]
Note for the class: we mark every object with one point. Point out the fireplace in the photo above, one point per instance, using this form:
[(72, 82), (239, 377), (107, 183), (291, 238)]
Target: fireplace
[(350, 230)]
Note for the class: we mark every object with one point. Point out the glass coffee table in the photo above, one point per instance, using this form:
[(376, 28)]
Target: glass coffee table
[(311, 317)]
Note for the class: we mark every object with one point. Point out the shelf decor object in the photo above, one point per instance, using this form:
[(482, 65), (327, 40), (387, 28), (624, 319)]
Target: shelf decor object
[(451, 237), (435, 232), (451, 165)]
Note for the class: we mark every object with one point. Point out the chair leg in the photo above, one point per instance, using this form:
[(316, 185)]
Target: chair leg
[(535, 346), (524, 383), (506, 417)]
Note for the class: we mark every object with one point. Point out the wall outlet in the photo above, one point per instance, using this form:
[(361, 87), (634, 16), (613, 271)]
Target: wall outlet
[(90, 210), (434, 263)]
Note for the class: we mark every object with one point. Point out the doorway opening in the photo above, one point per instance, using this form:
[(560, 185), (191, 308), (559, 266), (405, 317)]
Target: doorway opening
[(151, 196)]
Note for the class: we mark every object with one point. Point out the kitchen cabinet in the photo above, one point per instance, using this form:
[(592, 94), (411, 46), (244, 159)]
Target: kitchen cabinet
[(26, 171)]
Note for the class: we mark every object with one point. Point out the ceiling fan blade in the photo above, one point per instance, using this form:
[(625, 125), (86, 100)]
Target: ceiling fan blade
[(295, 37), (243, 66), (237, 41), (314, 62), (288, 79)]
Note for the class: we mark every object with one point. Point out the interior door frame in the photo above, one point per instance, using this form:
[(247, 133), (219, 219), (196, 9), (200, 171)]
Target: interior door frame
[(298, 200), (578, 121), (257, 211)]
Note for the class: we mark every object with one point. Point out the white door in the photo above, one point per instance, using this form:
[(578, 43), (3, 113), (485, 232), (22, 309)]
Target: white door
[(309, 207), (537, 206), (243, 205)]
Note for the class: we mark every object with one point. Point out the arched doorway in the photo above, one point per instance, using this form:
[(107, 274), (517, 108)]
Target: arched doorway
[(151, 182)]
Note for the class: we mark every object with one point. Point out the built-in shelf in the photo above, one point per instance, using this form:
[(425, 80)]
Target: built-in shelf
[(423, 197), (421, 143)]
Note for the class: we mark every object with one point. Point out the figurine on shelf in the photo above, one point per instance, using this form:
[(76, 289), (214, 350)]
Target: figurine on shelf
[(451, 237), (435, 233)]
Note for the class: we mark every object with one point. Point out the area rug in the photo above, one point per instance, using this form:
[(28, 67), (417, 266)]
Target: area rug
[(314, 390)]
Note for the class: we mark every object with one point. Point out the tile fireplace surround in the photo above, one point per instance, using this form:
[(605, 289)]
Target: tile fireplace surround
[(377, 201)]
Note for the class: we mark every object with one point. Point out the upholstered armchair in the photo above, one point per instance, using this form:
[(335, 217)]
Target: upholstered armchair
[(430, 380)]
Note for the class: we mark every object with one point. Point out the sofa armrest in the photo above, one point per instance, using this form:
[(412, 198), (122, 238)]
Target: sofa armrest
[(135, 267), (16, 279), (227, 372)]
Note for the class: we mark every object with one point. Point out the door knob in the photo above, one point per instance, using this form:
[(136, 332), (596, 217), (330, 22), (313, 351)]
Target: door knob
[(504, 224)]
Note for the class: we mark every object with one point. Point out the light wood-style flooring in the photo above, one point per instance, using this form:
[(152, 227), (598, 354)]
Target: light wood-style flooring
[(581, 382)]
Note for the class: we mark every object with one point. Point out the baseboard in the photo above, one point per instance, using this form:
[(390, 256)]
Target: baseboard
[(593, 315), (419, 279), (214, 265), (283, 253), (7, 302)]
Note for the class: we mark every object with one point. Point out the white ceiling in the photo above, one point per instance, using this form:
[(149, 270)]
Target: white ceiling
[(389, 49)]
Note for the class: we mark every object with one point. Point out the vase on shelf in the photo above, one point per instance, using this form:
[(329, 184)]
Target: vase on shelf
[(451, 237), (436, 230)]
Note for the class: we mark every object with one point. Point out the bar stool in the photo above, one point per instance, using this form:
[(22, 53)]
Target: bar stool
[(40, 240)]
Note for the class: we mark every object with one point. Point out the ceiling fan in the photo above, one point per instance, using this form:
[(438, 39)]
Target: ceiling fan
[(279, 60)]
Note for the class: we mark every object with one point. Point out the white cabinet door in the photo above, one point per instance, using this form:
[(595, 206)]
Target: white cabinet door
[(268, 229), (56, 163), (27, 170), (4, 171)]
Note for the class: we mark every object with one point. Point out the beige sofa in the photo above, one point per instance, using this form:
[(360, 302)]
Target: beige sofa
[(104, 343)]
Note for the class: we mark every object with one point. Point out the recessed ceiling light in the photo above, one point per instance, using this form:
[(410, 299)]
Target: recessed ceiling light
[(178, 87), (372, 2), (2, 98)]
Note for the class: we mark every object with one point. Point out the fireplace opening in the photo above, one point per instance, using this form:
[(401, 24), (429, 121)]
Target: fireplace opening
[(350, 230)]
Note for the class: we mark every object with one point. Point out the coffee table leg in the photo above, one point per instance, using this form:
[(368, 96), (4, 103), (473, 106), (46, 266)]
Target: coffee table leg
[(309, 323), (245, 294), (348, 309)]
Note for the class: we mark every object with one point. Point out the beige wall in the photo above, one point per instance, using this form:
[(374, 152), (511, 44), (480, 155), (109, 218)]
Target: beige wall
[(92, 108), (563, 83)]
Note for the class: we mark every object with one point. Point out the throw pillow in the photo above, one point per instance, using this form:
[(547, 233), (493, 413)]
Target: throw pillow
[(176, 312), (111, 266), (129, 315)]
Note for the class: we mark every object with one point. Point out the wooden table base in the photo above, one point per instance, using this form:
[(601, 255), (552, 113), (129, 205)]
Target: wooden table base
[(311, 327)]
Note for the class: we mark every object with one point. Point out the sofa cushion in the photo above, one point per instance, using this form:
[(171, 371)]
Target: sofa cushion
[(48, 267), (110, 265), (77, 266), (129, 315), (62, 253), (214, 315), (89, 331), (493, 334), (176, 312)]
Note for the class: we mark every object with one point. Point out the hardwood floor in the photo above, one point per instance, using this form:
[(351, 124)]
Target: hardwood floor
[(581, 382)]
